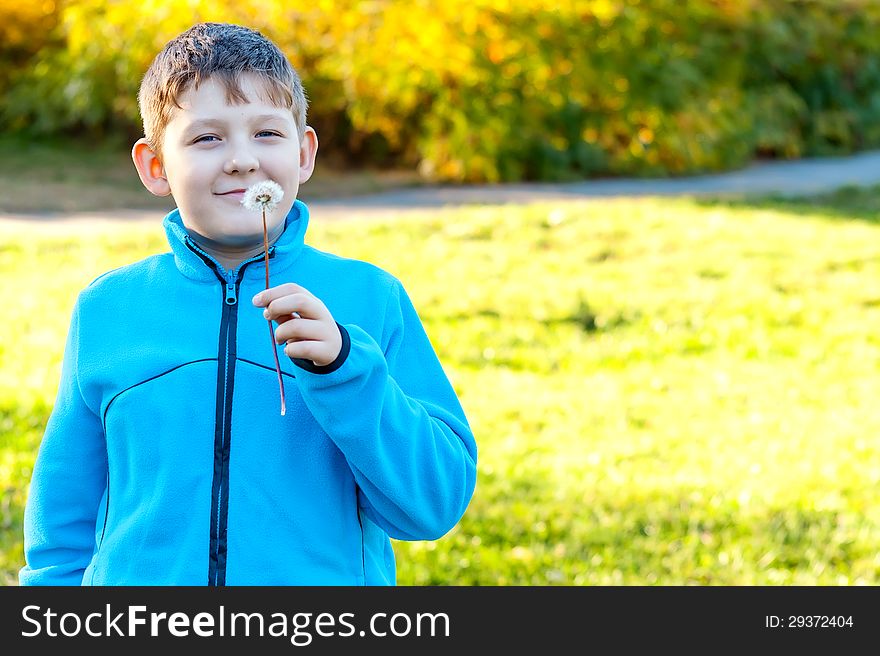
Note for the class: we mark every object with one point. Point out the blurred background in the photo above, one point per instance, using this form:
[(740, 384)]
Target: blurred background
[(490, 90), (664, 391)]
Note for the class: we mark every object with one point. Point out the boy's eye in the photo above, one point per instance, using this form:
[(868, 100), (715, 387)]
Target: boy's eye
[(209, 138)]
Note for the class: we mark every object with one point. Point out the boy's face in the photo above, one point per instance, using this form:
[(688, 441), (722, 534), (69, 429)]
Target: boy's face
[(212, 151)]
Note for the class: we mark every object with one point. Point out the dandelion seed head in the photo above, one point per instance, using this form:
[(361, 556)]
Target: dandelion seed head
[(264, 195)]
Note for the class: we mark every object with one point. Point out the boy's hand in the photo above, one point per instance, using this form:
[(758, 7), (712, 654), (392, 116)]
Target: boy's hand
[(304, 322)]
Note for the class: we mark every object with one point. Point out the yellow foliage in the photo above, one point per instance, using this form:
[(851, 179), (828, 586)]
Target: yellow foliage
[(26, 27), (23, 23), (484, 90)]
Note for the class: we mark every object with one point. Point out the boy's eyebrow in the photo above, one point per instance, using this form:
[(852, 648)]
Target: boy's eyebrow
[(219, 123)]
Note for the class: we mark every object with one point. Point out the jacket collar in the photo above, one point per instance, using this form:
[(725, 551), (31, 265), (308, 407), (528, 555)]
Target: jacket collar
[(282, 253)]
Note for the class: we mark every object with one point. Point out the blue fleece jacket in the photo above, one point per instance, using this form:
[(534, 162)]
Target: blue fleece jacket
[(166, 460)]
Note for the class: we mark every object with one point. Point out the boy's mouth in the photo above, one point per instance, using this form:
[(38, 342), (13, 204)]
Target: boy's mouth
[(234, 194)]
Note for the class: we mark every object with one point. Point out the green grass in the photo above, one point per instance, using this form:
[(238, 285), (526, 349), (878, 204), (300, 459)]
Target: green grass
[(663, 391)]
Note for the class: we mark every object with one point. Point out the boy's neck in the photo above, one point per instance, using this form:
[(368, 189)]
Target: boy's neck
[(229, 257)]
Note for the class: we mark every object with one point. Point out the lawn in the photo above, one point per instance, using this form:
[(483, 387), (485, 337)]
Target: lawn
[(663, 392)]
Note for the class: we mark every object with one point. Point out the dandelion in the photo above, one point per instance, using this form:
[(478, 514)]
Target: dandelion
[(262, 197)]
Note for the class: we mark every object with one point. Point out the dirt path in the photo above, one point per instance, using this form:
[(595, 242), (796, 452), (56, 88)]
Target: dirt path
[(799, 177)]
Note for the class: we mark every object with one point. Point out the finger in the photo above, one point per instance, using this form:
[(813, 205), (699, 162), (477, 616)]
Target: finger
[(291, 317), (306, 305), (263, 298), (308, 350), (301, 329)]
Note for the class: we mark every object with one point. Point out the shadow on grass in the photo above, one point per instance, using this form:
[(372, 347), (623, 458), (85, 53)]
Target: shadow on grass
[(676, 536), (847, 203), (532, 523)]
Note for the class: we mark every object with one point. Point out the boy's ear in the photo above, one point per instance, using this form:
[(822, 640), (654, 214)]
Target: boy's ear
[(308, 149), (150, 169)]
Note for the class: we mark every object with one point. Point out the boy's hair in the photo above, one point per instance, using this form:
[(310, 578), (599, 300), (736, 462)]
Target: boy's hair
[(223, 51)]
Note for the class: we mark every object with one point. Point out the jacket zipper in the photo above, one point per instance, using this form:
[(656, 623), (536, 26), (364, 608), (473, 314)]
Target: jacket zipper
[(223, 423), (226, 357)]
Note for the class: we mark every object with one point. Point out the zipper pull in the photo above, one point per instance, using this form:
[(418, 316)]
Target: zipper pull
[(231, 298)]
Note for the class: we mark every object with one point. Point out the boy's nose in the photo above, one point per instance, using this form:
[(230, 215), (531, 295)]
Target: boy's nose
[(241, 161)]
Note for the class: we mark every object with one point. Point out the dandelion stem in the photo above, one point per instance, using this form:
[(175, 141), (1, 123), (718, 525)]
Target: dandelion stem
[(271, 331)]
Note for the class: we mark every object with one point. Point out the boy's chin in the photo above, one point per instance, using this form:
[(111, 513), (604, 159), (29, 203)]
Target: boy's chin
[(243, 228), (233, 239), (234, 233), (240, 239)]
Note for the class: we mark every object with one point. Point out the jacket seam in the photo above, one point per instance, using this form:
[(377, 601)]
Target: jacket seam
[(146, 380), (106, 509), (363, 539), (107, 449), (263, 366)]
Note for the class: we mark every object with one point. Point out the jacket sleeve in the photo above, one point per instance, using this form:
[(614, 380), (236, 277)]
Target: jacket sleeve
[(395, 416), (67, 484)]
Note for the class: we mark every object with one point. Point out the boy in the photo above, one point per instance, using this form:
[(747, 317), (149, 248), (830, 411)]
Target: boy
[(166, 460)]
